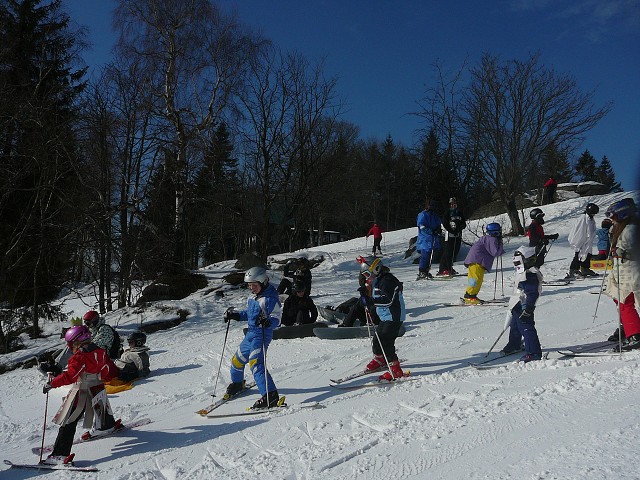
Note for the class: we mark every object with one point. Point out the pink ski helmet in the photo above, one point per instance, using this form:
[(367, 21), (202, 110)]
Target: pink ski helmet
[(77, 334)]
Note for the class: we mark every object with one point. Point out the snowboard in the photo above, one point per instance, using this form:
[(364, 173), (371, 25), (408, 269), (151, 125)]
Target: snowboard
[(340, 333)]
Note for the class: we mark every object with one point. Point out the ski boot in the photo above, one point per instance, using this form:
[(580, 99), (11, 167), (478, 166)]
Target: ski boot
[(263, 403), (376, 364), (395, 370), (233, 389), (59, 459)]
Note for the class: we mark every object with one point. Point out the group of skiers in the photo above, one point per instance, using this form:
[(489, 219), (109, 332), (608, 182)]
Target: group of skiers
[(381, 295)]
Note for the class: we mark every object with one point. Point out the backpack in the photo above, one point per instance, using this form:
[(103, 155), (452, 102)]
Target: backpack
[(116, 346)]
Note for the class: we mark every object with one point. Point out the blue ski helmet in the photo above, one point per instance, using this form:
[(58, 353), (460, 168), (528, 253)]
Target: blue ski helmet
[(622, 210), (494, 230)]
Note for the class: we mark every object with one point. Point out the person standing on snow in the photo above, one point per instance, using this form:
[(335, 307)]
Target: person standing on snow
[(429, 228), (604, 243), (386, 297), (262, 316), (376, 231), (454, 224), (537, 238), (549, 191), (581, 239), (528, 286), (88, 367), (480, 260), (624, 281)]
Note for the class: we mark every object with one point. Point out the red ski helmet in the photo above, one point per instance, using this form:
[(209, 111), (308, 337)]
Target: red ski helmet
[(91, 317)]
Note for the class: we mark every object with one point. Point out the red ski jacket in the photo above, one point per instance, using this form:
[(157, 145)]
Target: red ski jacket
[(88, 359)]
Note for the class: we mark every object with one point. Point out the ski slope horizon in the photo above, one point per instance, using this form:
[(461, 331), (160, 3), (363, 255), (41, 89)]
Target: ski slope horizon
[(560, 418)]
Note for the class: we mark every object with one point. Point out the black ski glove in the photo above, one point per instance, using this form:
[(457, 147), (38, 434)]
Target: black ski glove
[(263, 321), (50, 366), (46, 387), (231, 314)]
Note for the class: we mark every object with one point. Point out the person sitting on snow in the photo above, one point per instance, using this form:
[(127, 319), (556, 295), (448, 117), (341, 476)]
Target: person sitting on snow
[(527, 289), (134, 361), (299, 308), (103, 334), (299, 271)]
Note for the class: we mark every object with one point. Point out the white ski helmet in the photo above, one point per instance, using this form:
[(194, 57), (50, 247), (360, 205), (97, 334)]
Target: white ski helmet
[(524, 258), (257, 274)]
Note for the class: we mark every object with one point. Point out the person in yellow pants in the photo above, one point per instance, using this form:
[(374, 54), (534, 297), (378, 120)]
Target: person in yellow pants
[(480, 260)]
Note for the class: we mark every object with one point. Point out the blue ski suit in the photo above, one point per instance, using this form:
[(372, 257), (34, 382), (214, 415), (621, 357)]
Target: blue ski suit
[(252, 349)]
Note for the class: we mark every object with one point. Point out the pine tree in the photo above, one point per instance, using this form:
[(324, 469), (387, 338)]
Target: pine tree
[(607, 176), (586, 168), (38, 91)]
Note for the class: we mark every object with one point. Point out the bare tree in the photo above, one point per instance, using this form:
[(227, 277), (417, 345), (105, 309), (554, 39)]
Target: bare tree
[(289, 108), (512, 112), (198, 57)]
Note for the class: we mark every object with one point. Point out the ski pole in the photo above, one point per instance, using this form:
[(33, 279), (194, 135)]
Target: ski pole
[(224, 344), (595, 313), (369, 321), (495, 281), (264, 360), (502, 275), (44, 427), (380, 343), (619, 308), (504, 329)]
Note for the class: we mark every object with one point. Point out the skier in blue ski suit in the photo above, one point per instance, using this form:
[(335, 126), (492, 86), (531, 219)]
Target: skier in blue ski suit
[(528, 286), (429, 229), (262, 316)]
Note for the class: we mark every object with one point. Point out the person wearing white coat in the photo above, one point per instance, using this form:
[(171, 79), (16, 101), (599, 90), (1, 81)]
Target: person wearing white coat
[(581, 239)]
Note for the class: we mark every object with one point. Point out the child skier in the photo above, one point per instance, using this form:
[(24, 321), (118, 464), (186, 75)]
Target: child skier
[(536, 235), (604, 244), (386, 297), (134, 361), (624, 282), (527, 289), (581, 239), (87, 368), (262, 316), (480, 260)]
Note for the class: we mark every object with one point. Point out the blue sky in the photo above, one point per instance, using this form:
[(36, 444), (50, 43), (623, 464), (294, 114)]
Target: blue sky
[(383, 51)]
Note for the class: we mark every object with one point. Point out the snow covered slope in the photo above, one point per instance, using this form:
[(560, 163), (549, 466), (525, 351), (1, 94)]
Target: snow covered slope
[(562, 418)]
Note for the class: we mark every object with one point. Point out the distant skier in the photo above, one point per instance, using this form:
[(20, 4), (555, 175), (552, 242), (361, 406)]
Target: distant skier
[(527, 289), (537, 237), (480, 260), (549, 191), (88, 367), (429, 229), (376, 231), (262, 316), (624, 281), (581, 239), (453, 224), (387, 298)]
